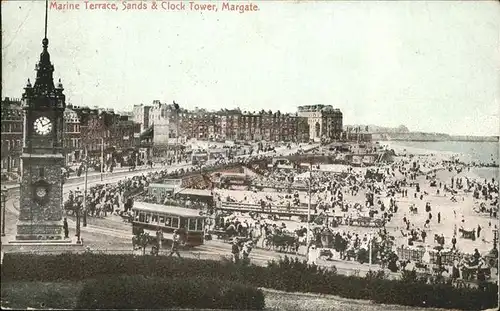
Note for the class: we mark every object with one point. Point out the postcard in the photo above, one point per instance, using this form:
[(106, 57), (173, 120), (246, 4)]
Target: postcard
[(250, 155)]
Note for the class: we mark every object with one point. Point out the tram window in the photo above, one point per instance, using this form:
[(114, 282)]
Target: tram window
[(154, 219), (199, 225), (148, 217), (141, 217), (192, 224), (162, 219), (136, 213), (168, 221), (175, 222)]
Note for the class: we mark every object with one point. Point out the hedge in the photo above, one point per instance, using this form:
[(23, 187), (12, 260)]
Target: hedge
[(286, 274), (141, 292)]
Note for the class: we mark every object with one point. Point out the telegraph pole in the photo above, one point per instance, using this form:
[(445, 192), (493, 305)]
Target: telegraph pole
[(309, 210), (176, 134), (102, 157), (177, 108), (85, 189)]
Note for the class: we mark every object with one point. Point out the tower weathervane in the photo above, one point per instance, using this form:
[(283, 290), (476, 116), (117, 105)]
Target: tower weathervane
[(46, 14)]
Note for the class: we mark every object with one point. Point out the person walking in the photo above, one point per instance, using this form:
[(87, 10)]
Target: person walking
[(439, 217), (235, 251), (175, 244), (66, 228), (478, 231)]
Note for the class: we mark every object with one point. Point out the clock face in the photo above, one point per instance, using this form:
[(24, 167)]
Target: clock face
[(41, 192), (42, 126)]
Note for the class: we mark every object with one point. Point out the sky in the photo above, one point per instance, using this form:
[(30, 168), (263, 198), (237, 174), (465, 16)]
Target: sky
[(432, 66)]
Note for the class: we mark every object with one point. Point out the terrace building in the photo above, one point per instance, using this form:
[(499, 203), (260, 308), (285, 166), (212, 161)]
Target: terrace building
[(140, 114), (72, 137), (325, 122), (11, 137)]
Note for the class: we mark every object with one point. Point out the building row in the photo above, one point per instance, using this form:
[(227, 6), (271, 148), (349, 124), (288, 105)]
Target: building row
[(171, 124), (162, 126), (86, 130)]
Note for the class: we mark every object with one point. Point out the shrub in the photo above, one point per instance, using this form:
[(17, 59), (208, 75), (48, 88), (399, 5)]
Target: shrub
[(376, 275), (284, 274), (140, 292)]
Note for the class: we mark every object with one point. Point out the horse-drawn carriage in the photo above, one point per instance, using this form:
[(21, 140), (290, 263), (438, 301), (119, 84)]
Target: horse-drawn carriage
[(282, 242), (221, 234), (475, 270)]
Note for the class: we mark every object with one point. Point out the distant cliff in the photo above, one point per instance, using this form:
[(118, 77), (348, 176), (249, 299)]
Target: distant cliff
[(402, 133), (420, 136), (474, 138), (378, 129)]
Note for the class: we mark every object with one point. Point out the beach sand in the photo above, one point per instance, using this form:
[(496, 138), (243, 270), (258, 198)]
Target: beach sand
[(451, 212)]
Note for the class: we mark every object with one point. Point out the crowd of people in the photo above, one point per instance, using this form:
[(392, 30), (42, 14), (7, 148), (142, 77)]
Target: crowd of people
[(416, 204), (104, 199)]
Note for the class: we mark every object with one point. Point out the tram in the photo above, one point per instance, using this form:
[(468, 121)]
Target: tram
[(151, 218), (199, 158)]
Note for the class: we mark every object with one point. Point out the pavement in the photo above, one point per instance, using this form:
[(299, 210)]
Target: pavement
[(107, 176)]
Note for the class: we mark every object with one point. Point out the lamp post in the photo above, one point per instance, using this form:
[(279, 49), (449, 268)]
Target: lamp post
[(495, 242), (78, 241), (4, 202), (370, 250)]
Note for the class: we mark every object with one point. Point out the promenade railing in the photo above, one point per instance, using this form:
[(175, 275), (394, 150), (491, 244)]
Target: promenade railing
[(251, 207)]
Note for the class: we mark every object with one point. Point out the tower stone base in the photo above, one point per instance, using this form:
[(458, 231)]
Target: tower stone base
[(42, 246), (45, 232)]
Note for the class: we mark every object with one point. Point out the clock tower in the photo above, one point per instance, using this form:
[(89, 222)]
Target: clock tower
[(41, 188)]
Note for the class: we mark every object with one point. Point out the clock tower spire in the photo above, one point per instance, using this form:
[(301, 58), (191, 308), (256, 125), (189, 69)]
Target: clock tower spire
[(44, 77), (41, 189)]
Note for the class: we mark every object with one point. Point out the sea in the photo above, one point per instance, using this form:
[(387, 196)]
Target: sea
[(467, 151), (480, 152)]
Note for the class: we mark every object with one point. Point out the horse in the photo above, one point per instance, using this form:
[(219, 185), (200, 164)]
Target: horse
[(282, 242), (468, 234)]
